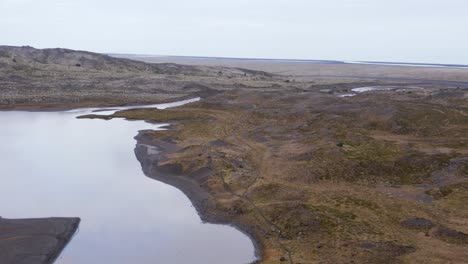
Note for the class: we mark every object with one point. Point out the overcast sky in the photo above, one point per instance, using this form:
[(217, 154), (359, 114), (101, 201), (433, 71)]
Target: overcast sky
[(374, 30)]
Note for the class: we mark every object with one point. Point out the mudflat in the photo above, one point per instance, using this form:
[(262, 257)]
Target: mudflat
[(321, 69), (325, 164)]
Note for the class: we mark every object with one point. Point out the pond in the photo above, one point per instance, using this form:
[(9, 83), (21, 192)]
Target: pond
[(53, 164)]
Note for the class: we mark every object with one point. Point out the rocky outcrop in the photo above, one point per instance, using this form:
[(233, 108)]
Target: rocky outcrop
[(34, 241)]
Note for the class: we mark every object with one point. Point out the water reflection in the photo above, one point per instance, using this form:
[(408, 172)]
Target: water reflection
[(55, 165)]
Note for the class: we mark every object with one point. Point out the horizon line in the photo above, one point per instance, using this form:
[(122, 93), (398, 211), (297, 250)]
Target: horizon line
[(389, 63)]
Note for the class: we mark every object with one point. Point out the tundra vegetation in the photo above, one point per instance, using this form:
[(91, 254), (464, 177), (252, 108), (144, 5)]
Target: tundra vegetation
[(379, 177)]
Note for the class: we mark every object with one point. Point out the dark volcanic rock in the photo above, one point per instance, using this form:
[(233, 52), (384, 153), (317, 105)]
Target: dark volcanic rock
[(451, 235), (418, 223), (385, 251), (34, 241), (368, 245), (441, 232)]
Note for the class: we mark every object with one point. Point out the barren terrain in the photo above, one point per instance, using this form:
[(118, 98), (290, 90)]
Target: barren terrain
[(377, 177)]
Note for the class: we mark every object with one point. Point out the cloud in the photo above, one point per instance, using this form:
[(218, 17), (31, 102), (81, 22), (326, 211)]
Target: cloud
[(417, 30)]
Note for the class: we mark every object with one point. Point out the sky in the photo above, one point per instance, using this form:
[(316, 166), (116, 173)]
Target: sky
[(427, 31)]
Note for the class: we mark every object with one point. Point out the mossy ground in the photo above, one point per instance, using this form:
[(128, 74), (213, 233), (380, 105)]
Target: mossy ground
[(317, 176)]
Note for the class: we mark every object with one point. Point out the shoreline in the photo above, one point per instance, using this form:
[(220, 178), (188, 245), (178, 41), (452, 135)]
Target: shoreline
[(274, 151), (66, 106), (284, 230), (201, 200)]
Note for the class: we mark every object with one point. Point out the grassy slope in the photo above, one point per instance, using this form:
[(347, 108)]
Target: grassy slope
[(65, 78), (279, 169), (317, 178)]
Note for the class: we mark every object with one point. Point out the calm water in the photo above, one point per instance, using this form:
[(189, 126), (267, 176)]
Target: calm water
[(55, 165)]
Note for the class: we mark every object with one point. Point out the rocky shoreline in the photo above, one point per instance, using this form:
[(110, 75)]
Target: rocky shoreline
[(231, 155), (151, 152)]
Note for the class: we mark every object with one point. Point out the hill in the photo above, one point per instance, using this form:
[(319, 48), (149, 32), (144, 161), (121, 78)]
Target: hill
[(62, 78)]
